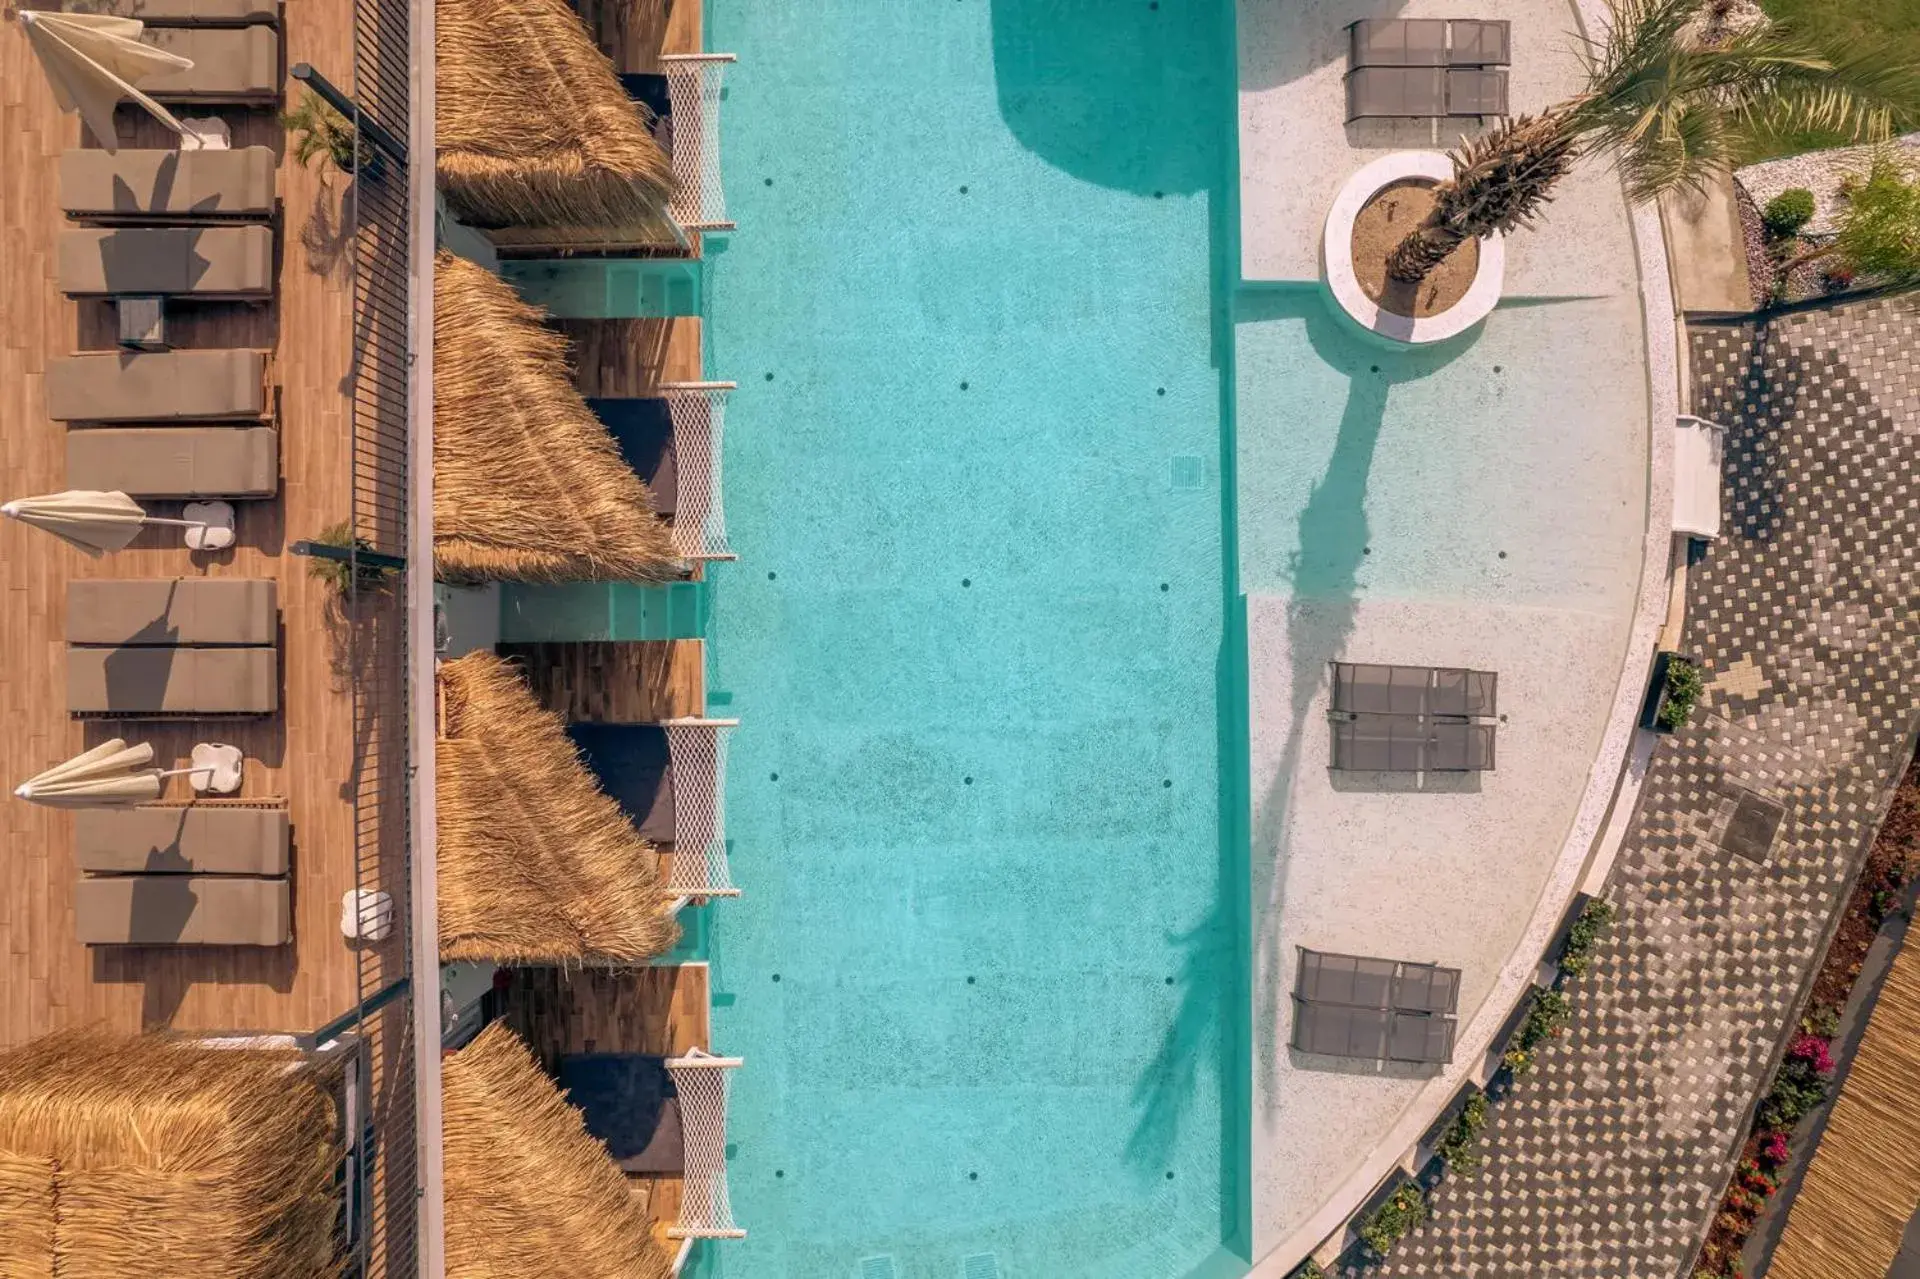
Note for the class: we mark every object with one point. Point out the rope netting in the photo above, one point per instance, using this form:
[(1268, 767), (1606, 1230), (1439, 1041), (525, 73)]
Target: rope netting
[(698, 749), (693, 89), (705, 1210), (698, 411)]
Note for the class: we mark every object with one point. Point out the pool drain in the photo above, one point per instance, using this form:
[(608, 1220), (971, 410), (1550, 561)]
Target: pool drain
[(981, 1265), (877, 1268)]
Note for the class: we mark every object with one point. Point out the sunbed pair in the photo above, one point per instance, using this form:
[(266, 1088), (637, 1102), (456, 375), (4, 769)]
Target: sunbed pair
[(240, 460), (160, 648), (199, 875)]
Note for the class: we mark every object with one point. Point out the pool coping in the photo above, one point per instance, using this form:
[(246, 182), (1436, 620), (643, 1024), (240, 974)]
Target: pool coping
[(1612, 786)]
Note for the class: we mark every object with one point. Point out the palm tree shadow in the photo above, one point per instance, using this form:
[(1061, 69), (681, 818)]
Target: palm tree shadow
[(1323, 597), (327, 234)]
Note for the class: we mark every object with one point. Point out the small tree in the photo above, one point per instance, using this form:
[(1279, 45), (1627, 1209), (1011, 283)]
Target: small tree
[(319, 130), (1877, 226)]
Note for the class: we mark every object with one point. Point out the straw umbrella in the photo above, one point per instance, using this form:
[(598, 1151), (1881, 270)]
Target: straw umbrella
[(98, 522), (111, 775), (93, 60)]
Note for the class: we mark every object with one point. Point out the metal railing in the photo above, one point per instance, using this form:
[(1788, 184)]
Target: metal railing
[(375, 606)]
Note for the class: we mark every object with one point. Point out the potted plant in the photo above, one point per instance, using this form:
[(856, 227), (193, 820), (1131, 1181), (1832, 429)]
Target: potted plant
[(1671, 694), (341, 574), (318, 130), (1670, 109)]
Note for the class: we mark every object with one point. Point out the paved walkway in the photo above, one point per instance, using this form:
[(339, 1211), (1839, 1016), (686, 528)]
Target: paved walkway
[(1605, 1163)]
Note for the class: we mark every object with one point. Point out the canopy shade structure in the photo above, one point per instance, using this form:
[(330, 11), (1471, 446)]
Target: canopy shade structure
[(98, 522), (94, 60), (529, 1195), (154, 1157), (111, 774), (533, 128), (528, 485), (537, 863)]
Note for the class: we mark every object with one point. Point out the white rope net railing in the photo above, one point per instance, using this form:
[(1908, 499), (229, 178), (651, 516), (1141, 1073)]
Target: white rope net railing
[(693, 90), (698, 411), (705, 1210), (698, 750)]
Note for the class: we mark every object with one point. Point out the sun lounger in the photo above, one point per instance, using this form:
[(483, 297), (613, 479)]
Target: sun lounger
[(203, 611), (1406, 744), (1397, 42), (1373, 688), (635, 767), (629, 1102), (182, 910), (176, 462), (156, 386), (212, 262), (97, 185), (643, 428), (1476, 91), (194, 13), (235, 64), (1374, 1009), (1473, 42), (218, 839), (137, 681), (1396, 93)]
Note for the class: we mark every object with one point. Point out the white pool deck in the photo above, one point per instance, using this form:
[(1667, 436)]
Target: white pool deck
[(1533, 438)]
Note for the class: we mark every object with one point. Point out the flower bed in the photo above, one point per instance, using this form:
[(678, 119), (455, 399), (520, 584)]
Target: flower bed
[(1802, 1081)]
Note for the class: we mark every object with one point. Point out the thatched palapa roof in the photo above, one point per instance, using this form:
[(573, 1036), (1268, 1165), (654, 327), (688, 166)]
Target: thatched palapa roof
[(136, 1158), (529, 1194), (528, 484), (537, 864), (533, 128)]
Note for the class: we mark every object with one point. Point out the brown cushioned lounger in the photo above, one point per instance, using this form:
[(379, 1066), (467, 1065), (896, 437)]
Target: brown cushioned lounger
[(182, 910), (200, 838), (204, 262), (190, 610), (193, 13), (173, 184), (176, 461), (173, 681), (232, 64), (156, 386)]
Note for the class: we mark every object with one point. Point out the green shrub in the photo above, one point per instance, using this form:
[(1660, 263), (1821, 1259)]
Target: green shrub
[(1309, 1269), (1787, 212), (1797, 1089), (1684, 686), (1585, 935), (1404, 1209), (338, 573), (1459, 1146), (1823, 1019)]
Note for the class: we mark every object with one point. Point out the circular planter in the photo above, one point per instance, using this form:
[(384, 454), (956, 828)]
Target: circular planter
[(1336, 258)]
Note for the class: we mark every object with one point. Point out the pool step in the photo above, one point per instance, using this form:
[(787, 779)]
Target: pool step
[(579, 611), (981, 1265), (610, 288)]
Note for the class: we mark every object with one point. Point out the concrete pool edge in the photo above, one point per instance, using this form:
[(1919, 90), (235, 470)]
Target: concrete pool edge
[(1607, 775)]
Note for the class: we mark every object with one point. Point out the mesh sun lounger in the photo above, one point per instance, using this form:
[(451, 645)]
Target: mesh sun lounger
[(156, 386), (1476, 91), (643, 428), (140, 681), (629, 1102), (182, 910), (1374, 1009), (193, 13), (224, 262), (199, 838), (1404, 744), (176, 462), (184, 611), (167, 184), (1397, 42), (1473, 42), (1396, 93), (232, 64), (1370, 688)]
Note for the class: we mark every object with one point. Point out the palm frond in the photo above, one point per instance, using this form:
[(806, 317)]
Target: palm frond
[(1503, 179)]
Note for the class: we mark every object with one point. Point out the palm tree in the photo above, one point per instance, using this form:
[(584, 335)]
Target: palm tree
[(1670, 109)]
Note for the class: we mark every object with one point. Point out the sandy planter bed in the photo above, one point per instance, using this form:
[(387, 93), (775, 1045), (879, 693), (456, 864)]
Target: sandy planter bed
[(1373, 213)]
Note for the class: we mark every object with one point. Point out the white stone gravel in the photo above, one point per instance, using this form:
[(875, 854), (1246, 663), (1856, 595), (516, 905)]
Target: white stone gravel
[(1819, 172)]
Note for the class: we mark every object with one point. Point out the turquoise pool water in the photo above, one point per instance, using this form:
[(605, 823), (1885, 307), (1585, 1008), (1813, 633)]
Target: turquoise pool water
[(988, 973)]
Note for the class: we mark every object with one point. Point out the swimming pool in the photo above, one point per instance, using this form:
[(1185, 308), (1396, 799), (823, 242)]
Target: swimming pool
[(988, 973)]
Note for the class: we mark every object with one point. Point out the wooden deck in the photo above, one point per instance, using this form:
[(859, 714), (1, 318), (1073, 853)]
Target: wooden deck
[(307, 753), (657, 1011)]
